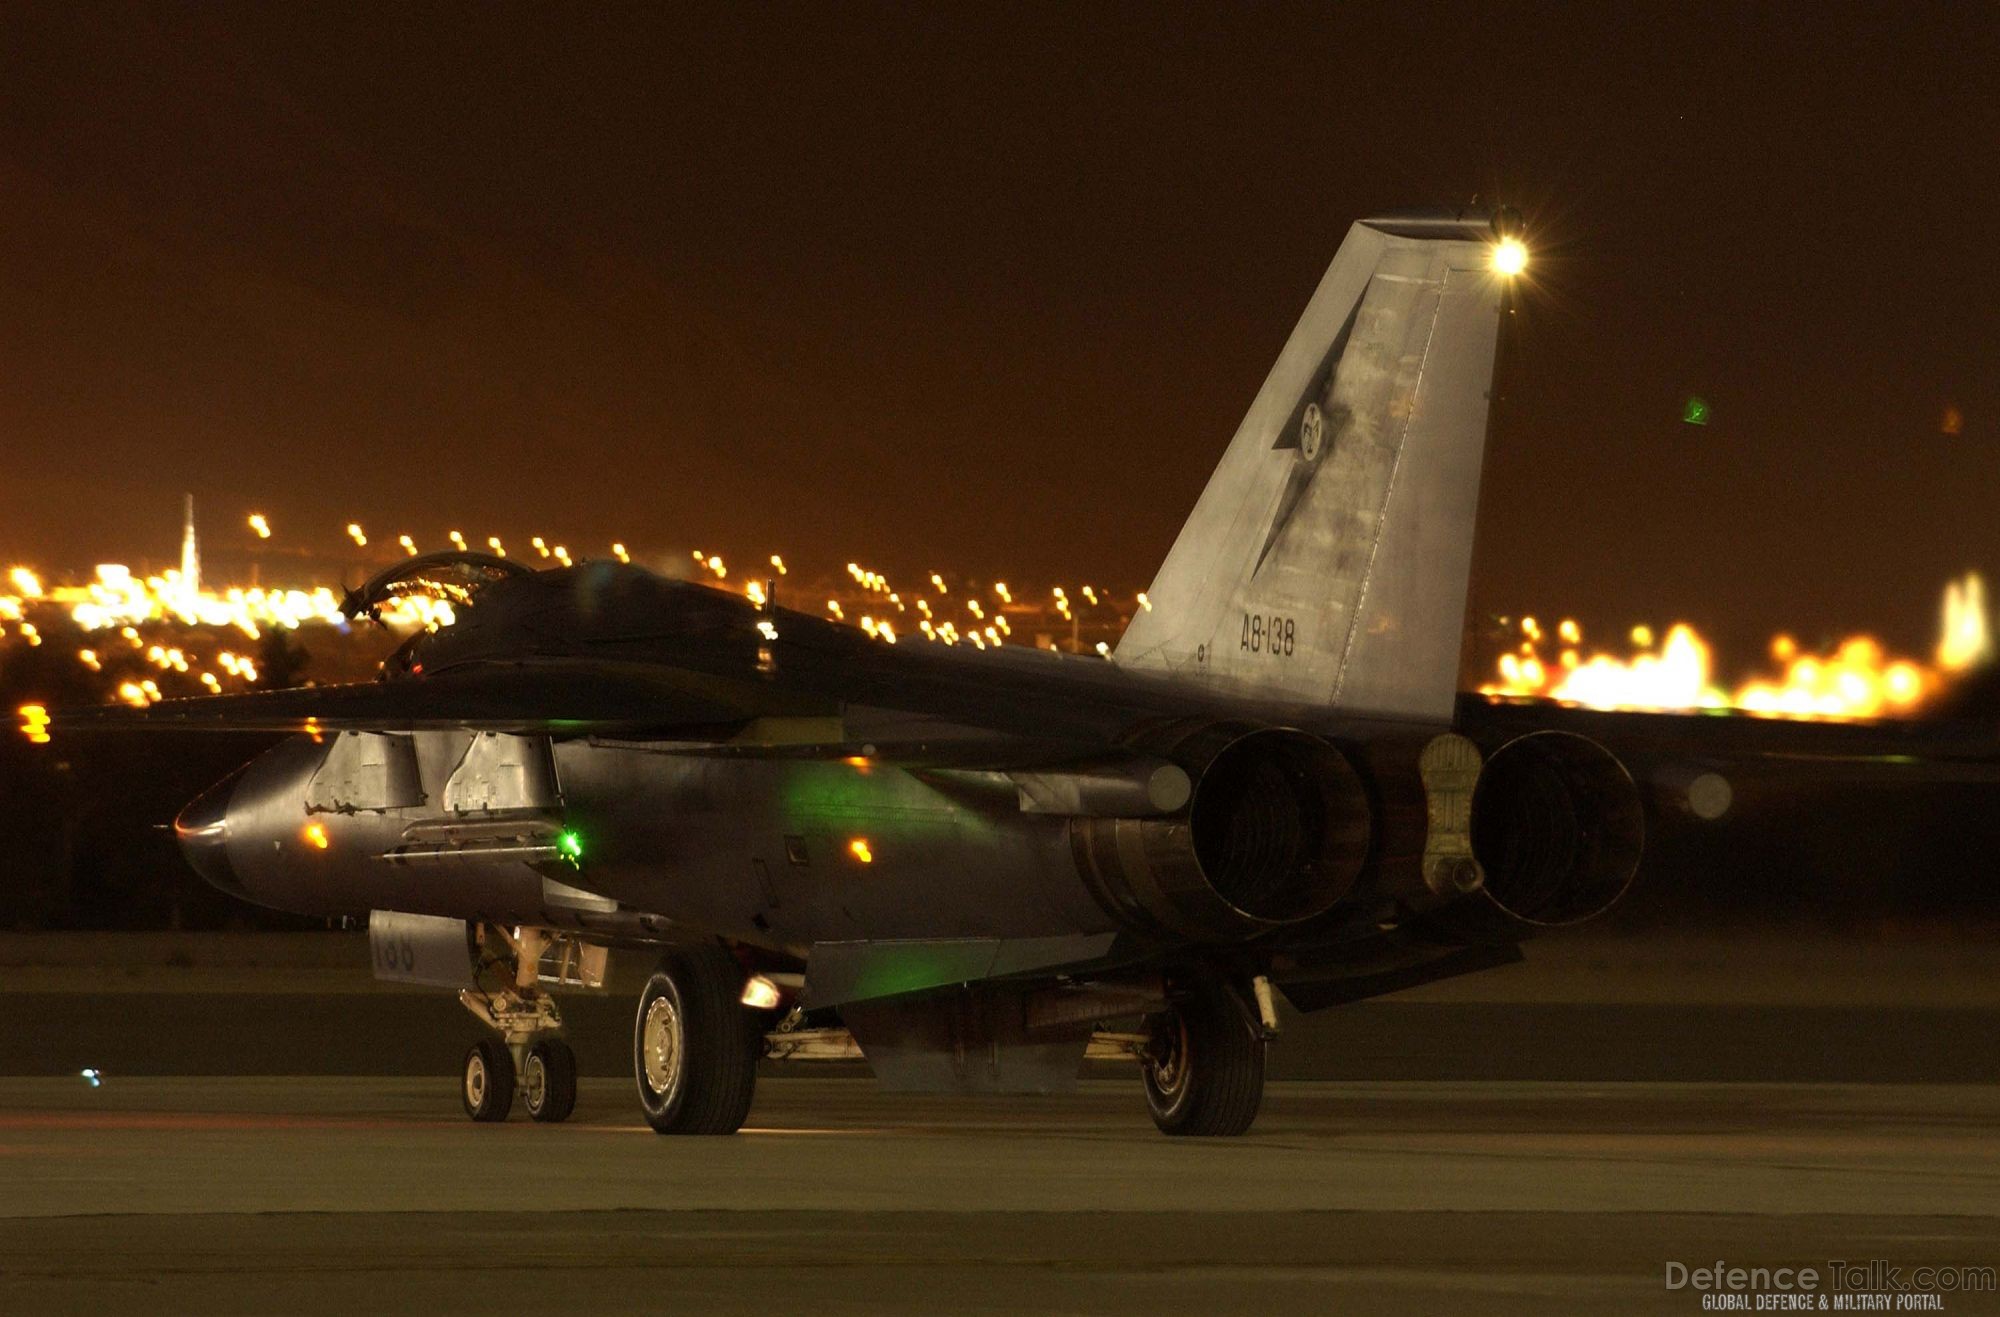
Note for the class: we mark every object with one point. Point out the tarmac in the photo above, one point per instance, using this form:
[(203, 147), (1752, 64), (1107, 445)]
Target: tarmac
[(337, 1195), (1533, 1141)]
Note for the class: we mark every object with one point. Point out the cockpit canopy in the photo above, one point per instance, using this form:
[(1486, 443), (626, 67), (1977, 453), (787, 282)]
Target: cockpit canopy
[(454, 576)]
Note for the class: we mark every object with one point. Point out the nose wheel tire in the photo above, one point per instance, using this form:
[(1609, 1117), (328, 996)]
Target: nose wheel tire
[(695, 1045), (548, 1081), (1204, 1069), (488, 1087)]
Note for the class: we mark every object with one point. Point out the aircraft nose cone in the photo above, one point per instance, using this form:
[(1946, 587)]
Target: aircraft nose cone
[(203, 832)]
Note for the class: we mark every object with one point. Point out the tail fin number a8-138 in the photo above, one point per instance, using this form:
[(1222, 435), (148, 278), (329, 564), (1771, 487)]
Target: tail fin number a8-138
[(1326, 562)]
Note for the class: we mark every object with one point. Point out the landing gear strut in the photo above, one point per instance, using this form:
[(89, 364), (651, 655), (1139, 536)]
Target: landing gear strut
[(695, 1045), (1204, 1062)]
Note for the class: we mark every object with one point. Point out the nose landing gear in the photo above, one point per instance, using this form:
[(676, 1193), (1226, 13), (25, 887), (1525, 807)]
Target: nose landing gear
[(528, 1059), (548, 1081), (544, 1079), (488, 1090)]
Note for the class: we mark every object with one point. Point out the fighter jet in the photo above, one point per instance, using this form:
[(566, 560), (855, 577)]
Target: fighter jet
[(972, 869)]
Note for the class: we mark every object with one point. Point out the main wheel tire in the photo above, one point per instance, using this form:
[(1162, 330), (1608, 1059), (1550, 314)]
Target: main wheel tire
[(488, 1086), (1205, 1074), (548, 1080), (695, 1045)]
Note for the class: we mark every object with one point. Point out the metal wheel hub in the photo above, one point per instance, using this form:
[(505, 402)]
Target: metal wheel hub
[(661, 1047), (535, 1079), (1169, 1057), (475, 1081)]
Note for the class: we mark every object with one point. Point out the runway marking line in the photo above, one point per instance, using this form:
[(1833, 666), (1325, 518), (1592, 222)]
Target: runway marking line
[(747, 1129), (194, 1121)]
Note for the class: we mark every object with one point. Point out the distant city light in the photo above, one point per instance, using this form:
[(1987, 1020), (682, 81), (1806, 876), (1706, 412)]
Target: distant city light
[(168, 621), (1964, 640), (1856, 679), (260, 525)]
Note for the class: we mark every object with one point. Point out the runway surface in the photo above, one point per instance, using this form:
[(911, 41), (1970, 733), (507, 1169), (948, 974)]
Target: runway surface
[(426, 1033), (308, 1195)]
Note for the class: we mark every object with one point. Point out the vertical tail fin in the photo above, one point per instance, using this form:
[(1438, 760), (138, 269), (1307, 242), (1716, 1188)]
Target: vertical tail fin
[(1326, 562)]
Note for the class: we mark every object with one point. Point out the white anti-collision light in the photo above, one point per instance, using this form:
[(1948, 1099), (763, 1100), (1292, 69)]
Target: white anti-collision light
[(1510, 257), (760, 994)]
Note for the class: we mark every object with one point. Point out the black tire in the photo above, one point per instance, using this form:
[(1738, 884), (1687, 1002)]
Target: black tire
[(1205, 1074), (695, 1045), (487, 1086), (548, 1081)]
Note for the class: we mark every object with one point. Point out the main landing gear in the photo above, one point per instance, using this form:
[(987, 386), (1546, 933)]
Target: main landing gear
[(695, 1045), (1203, 1060)]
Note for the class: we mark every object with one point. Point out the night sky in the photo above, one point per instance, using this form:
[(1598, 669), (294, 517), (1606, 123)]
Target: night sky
[(990, 293)]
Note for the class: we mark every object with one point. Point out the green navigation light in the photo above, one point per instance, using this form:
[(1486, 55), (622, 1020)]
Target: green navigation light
[(1695, 413), (570, 843)]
